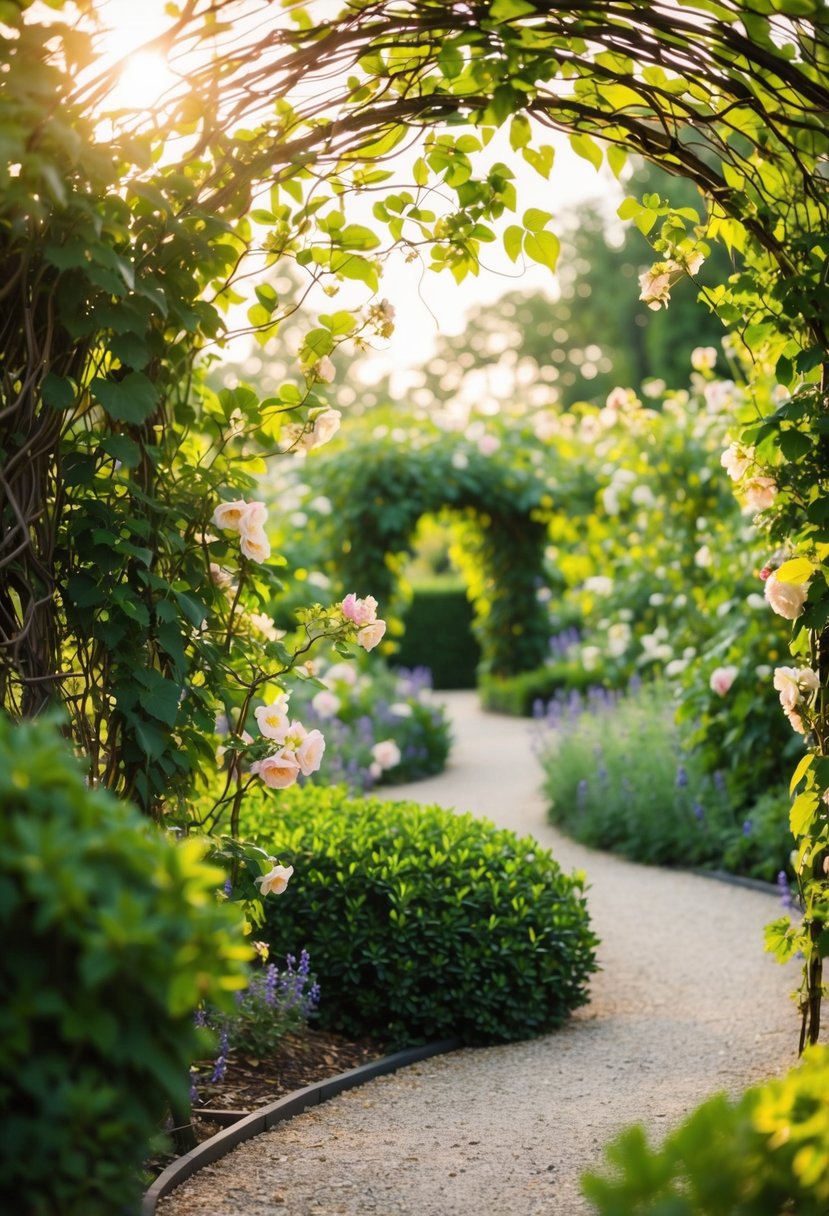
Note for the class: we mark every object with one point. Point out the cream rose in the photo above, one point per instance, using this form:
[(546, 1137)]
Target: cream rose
[(280, 770), (786, 599), (310, 751), (371, 635), (275, 881)]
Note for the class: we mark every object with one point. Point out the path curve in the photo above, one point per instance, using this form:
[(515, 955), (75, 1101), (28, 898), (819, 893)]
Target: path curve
[(686, 1003)]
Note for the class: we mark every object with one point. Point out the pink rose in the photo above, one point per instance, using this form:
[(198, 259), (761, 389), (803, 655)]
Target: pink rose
[(786, 683), (360, 612), (369, 636), (786, 599), (230, 514), (310, 751), (386, 753), (721, 680), (255, 546), (760, 493), (325, 703), (280, 770), (735, 460), (274, 882)]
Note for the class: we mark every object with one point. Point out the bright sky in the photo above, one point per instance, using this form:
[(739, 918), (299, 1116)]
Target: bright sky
[(423, 303)]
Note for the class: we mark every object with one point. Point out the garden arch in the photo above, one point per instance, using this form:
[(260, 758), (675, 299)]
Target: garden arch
[(379, 492)]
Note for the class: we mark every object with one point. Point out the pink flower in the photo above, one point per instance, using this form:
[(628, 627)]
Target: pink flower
[(230, 514), (617, 398), (370, 635), (655, 286), (310, 751), (704, 358), (325, 370), (735, 460), (787, 684), (721, 680), (488, 444), (760, 493), (325, 703), (786, 599), (386, 753), (253, 519), (280, 770), (275, 881), (360, 612), (326, 425), (255, 546), (796, 721)]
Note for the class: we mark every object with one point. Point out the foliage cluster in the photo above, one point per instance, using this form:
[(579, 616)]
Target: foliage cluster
[(113, 936), (768, 1151), (277, 1001), (381, 727), (378, 488), (428, 924), (619, 777)]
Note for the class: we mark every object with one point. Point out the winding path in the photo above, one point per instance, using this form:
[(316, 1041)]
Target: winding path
[(686, 1003)]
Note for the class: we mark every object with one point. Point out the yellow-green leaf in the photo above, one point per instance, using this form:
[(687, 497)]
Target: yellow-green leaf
[(800, 772), (542, 247), (797, 570), (802, 813)]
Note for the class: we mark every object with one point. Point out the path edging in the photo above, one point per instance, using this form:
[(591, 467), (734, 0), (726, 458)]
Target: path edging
[(265, 1117)]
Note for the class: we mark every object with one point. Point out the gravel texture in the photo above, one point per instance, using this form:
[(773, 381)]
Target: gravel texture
[(686, 1003)]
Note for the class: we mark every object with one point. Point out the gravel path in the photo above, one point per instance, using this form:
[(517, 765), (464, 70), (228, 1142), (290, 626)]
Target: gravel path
[(686, 1003)]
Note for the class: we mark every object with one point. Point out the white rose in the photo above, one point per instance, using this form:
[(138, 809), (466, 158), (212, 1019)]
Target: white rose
[(370, 635), (760, 493), (310, 751), (721, 680), (325, 703), (280, 770)]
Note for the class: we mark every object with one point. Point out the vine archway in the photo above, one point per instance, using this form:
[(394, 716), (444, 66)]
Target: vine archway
[(379, 492)]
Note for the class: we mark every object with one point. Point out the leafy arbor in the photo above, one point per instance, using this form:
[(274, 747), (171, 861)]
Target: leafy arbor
[(121, 248)]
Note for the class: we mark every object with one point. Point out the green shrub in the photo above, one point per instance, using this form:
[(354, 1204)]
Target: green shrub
[(438, 635), (763, 845), (112, 936), (425, 924), (520, 695), (764, 1154)]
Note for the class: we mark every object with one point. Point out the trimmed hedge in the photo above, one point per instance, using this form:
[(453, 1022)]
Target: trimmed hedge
[(438, 635), (112, 936), (423, 924), (517, 695)]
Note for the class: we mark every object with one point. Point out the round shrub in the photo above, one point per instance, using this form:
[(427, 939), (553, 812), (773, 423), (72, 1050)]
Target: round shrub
[(112, 935), (423, 924)]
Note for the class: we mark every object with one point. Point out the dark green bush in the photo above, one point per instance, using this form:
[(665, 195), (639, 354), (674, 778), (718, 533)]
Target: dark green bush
[(438, 635), (424, 924), (112, 935), (764, 1154), (517, 695)]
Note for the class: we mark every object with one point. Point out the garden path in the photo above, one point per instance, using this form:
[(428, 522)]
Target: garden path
[(686, 1003)]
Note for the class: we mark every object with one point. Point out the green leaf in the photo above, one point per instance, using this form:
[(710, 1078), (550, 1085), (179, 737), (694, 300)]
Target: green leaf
[(513, 240), (800, 772), (520, 132), (797, 570), (587, 148), (803, 812), (133, 399), (58, 393), (542, 247), (506, 10), (159, 697), (122, 448), (535, 219)]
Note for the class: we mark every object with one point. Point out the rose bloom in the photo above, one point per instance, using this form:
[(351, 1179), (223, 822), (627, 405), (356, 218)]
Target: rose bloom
[(325, 703), (721, 680), (704, 358), (786, 599), (371, 635), (230, 514), (760, 493), (386, 753), (360, 612), (310, 751), (253, 518), (326, 426), (617, 398), (256, 546), (488, 444), (325, 370), (273, 719), (279, 770), (220, 577), (655, 287), (275, 881), (796, 721), (787, 684), (735, 460)]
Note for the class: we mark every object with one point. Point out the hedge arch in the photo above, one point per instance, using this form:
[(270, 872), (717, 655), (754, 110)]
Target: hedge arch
[(379, 491)]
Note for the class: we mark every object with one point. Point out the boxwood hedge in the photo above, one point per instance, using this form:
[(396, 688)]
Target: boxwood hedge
[(424, 924)]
